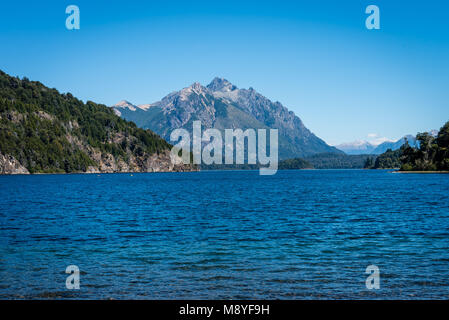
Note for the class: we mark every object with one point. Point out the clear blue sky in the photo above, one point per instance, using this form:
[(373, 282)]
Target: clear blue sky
[(315, 57)]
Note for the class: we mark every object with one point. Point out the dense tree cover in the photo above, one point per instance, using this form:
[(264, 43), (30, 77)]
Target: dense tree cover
[(388, 160), (337, 161), (224, 166), (369, 163), (289, 164), (431, 155), (50, 132), (296, 163)]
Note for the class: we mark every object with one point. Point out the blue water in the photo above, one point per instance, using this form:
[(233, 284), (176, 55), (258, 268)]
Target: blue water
[(222, 235)]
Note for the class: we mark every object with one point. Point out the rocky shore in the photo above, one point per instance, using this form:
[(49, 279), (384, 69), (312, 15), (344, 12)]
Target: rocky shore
[(107, 163)]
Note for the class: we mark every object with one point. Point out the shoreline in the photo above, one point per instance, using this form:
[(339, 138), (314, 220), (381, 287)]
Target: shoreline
[(92, 173), (421, 172), (174, 171)]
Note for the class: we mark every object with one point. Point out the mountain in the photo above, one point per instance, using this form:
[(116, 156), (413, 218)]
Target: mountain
[(222, 105), (357, 147), (383, 147), (128, 105), (43, 131), (365, 147)]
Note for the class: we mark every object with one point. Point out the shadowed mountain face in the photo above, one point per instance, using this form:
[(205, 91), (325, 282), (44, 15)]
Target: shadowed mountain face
[(221, 105)]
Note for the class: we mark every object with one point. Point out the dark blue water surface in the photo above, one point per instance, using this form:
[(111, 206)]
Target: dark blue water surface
[(221, 235)]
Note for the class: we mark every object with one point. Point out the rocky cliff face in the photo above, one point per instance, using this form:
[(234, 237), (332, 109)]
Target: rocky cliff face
[(107, 163), (10, 165), (221, 105)]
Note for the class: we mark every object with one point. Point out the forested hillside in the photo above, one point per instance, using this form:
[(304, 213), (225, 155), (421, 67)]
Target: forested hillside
[(432, 154), (388, 160), (429, 154), (43, 131), (337, 161)]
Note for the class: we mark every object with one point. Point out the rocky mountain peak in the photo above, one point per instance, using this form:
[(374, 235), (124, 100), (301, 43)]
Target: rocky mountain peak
[(195, 87), (222, 105), (220, 84), (125, 104)]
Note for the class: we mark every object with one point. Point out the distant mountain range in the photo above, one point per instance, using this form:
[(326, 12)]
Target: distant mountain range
[(221, 105), (365, 147)]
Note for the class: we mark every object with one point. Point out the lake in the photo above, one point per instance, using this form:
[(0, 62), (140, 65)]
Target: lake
[(306, 234)]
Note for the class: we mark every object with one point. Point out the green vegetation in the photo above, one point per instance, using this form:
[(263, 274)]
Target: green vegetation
[(51, 132), (431, 155), (223, 166), (337, 161), (289, 164), (296, 163), (388, 160)]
